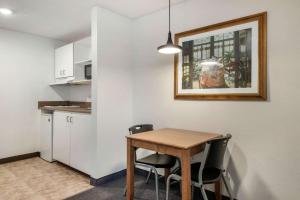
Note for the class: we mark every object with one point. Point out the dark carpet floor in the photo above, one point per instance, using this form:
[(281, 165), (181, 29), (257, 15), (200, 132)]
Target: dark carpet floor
[(114, 191)]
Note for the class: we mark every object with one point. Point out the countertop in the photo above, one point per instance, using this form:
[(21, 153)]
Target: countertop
[(77, 109)]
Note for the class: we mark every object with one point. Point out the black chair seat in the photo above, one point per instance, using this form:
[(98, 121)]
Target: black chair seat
[(158, 160), (210, 175)]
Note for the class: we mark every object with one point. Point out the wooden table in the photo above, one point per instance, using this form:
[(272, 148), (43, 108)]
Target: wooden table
[(176, 142)]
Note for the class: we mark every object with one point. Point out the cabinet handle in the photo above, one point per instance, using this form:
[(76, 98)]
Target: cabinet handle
[(68, 119), (71, 119)]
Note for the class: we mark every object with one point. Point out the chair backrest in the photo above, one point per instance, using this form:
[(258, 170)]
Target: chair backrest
[(140, 128), (216, 152)]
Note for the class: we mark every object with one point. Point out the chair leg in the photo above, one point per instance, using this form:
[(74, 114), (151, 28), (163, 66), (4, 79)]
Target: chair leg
[(156, 183), (167, 173), (227, 186), (180, 188), (203, 193), (125, 191), (192, 190), (168, 187), (148, 177)]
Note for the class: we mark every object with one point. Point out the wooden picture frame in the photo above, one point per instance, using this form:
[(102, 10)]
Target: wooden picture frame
[(249, 80)]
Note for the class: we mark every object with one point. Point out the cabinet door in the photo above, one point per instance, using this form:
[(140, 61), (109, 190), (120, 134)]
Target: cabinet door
[(64, 61), (81, 142), (81, 52), (46, 137), (61, 137)]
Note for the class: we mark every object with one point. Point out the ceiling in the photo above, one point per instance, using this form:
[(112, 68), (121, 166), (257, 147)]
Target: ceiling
[(69, 20)]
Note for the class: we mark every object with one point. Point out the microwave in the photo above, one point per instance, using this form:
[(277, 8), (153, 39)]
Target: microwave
[(88, 71)]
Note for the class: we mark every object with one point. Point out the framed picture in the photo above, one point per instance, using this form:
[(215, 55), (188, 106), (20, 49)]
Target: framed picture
[(225, 61)]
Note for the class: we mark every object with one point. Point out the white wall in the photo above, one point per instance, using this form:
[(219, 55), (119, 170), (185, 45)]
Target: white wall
[(80, 93), (111, 89), (265, 159), (27, 67)]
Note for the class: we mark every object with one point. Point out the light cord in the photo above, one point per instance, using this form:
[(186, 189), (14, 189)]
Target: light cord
[(169, 15)]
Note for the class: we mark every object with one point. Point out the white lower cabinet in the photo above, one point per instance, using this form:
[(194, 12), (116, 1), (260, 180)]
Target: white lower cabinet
[(72, 140), (61, 137), (46, 132), (81, 142)]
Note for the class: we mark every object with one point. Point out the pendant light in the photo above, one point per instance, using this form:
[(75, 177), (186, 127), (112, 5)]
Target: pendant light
[(169, 47)]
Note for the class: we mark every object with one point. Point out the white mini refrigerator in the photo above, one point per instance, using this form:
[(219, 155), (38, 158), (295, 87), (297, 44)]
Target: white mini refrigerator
[(46, 137)]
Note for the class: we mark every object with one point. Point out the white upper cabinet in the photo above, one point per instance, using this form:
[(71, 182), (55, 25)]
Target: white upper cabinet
[(82, 51), (64, 61), (70, 61)]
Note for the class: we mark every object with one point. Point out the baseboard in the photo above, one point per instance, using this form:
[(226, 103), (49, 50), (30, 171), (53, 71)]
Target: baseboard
[(108, 178), (114, 176), (19, 157), (141, 172), (73, 169)]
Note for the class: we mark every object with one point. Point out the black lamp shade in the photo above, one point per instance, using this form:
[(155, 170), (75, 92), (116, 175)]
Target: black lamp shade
[(169, 47)]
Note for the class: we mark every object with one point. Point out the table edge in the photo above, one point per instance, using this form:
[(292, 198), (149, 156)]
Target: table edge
[(178, 147)]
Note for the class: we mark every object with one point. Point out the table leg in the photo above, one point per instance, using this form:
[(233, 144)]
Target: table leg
[(167, 173), (130, 171), (186, 175), (218, 190)]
